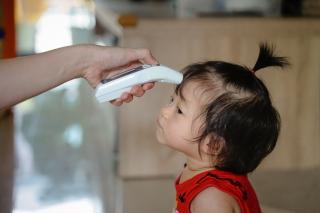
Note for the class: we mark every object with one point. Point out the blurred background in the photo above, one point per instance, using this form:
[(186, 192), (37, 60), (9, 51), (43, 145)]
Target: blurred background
[(63, 152)]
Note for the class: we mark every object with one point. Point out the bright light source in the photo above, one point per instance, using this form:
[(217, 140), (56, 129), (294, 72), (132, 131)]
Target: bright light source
[(53, 31)]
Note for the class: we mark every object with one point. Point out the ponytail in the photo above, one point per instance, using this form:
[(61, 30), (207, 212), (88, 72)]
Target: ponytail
[(267, 58)]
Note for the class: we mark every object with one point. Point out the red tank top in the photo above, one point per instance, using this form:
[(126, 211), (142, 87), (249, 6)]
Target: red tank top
[(238, 186)]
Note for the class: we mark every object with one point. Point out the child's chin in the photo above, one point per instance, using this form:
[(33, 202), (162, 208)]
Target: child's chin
[(161, 141)]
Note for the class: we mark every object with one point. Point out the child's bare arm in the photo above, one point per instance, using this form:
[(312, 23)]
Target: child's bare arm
[(213, 200)]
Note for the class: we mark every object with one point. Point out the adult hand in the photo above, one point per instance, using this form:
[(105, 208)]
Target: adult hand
[(108, 61), (24, 77)]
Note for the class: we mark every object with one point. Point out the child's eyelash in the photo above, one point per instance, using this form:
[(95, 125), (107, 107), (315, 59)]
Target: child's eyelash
[(178, 109)]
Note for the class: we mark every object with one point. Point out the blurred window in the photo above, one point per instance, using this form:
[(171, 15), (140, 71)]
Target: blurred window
[(64, 139)]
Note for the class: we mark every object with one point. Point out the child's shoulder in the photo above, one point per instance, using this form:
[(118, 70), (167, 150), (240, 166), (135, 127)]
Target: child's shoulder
[(213, 199), (217, 191)]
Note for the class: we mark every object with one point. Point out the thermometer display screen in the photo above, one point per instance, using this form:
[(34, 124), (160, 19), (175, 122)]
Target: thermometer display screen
[(125, 73)]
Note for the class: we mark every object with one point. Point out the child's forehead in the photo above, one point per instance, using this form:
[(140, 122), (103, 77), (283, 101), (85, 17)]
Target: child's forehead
[(192, 92)]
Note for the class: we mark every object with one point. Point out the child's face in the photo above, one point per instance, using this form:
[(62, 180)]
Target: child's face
[(179, 122)]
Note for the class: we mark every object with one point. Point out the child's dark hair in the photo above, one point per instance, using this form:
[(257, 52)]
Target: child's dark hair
[(240, 111)]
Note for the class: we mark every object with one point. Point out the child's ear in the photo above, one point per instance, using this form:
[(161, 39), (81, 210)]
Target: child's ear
[(212, 144)]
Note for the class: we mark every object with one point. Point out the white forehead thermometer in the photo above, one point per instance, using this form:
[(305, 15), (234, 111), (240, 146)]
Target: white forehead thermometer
[(112, 88)]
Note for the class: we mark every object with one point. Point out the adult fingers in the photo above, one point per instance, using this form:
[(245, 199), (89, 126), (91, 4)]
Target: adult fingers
[(137, 91), (128, 99), (148, 86), (145, 56), (117, 102)]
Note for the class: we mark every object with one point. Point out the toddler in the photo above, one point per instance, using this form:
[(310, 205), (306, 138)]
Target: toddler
[(222, 119)]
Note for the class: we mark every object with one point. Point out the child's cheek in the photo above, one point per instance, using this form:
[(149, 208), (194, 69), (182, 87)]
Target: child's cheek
[(169, 135), (178, 134)]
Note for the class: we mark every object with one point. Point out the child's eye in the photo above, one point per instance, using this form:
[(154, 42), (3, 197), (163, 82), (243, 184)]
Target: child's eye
[(171, 99)]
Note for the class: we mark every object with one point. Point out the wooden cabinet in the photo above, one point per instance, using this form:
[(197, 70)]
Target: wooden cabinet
[(177, 43)]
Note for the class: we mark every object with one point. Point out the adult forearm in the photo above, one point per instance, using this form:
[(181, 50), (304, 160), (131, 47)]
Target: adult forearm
[(24, 77)]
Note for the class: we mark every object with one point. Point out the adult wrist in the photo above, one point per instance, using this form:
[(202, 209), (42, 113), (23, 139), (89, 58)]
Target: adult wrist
[(80, 60)]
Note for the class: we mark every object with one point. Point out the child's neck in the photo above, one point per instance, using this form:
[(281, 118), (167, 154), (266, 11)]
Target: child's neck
[(197, 165), (194, 167)]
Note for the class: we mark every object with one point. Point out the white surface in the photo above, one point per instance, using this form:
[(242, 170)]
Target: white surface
[(151, 73)]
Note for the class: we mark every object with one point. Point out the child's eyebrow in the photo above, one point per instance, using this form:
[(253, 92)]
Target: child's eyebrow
[(179, 93), (184, 102)]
